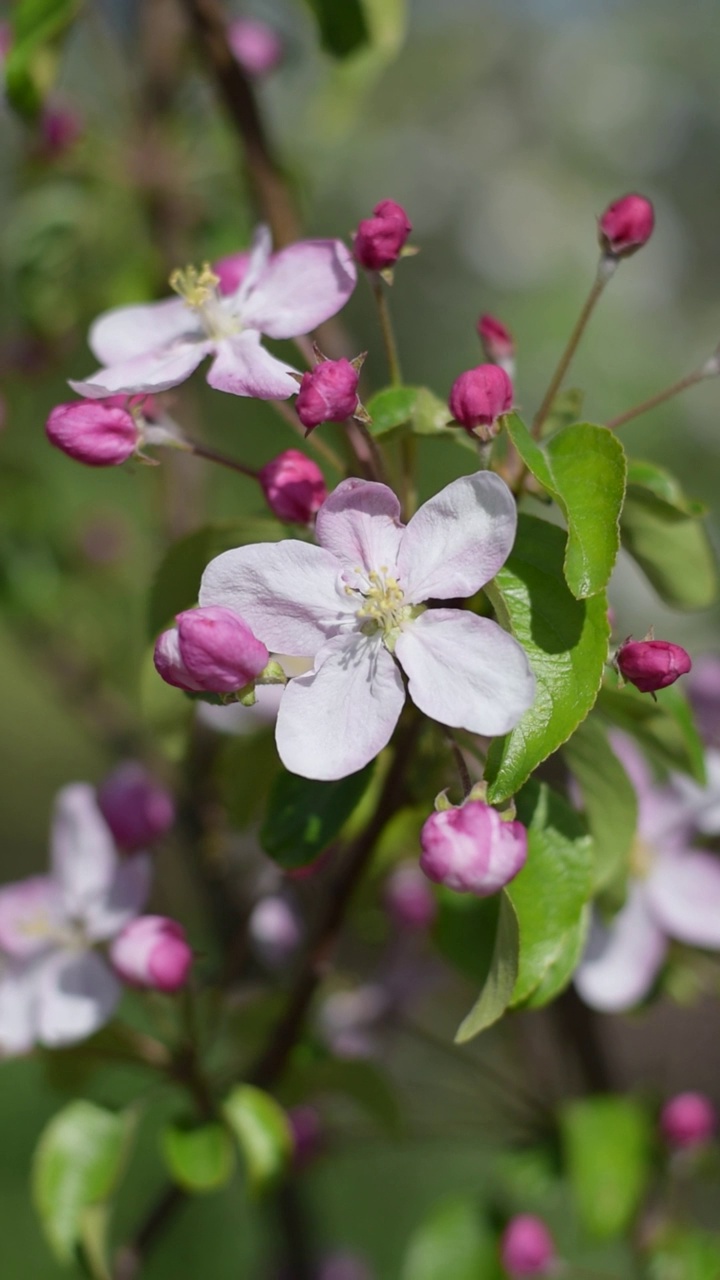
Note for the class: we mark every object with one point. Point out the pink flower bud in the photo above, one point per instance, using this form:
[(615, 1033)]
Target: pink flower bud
[(257, 47), (652, 664), (688, 1120), (294, 486), (153, 952), (328, 393), (479, 397), (230, 271), (212, 651), (408, 899), (527, 1248), (94, 432), (274, 930), (137, 809), (378, 240), (626, 226), (306, 1128), (61, 127), (497, 341), (471, 849)]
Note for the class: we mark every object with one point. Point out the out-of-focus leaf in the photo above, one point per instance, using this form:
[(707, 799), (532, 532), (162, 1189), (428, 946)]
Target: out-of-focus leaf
[(664, 727), (464, 931), (35, 24), (303, 816), (452, 1243), (566, 641), (199, 1158), (559, 973), (662, 531), (609, 799), (502, 977), (607, 1142), (566, 408), (343, 28), (94, 1224), (77, 1163), (263, 1133), (390, 409), (685, 1254), (583, 467), (550, 892), (358, 1079)]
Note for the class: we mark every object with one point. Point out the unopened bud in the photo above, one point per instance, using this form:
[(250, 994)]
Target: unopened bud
[(479, 397), (652, 664), (472, 849), (152, 952), (257, 46), (497, 342), (230, 271), (408, 899), (212, 651), (379, 240), (626, 226), (688, 1120), (294, 486), (95, 432), (328, 393), (527, 1248), (137, 809)]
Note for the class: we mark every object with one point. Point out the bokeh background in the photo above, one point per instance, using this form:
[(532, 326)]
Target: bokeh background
[(504, 128)]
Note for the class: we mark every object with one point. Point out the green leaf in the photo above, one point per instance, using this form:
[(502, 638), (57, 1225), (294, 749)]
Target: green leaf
[(261, 1128), (464, 931), (607, 1144), (664, 727), (566, 641), (452, 1243), (35, 24), (583, 468), (685, 1254), (391, 408), (550, 892), (559, 974), (343, 27), (177, 580), (303, 816), (501, 980), (662, 531), (76, 1164), (200, 1158), (609, 798)]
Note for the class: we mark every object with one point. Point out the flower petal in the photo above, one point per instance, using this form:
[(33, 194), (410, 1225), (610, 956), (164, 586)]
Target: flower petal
[(243, 367), (703, 803), (127, 332), (684, 889), (458, 540), (155, 371), (288, 592), (337, 718), (258, 258), (77, 994), (360, 524), (465, 671), (17, 1008), (30, 915), (301, 287), (83, 856), (126, 896), (621, 960)]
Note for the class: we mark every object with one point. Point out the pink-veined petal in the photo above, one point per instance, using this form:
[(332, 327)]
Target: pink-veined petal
[(18, 1007), (125, 898), (465, 671), (621, 959), (289, 593), (31, 913), (684, 890), (301, 287), (458, 540), (77, 994), (337, 718), (360, 524), (155, 371), (83, 856), (127, 332), (243, 367)]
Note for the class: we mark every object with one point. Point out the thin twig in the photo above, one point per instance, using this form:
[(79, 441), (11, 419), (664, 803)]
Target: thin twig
[(603, 275), (288, 414), (466, 781), (213, 455), (690, 380)]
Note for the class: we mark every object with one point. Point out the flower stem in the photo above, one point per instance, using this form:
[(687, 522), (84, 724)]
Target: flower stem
[(465, 779), (407, 444), (605, 271), (288, 414), (667, 394), (213, 455)]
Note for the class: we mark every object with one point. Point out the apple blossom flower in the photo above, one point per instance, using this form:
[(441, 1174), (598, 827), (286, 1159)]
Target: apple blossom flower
[(55, 988), (152, 952), (408, 899), (379, 240), (137, 808), (294, 486), (257, 46), (527, 1248), (688, 1120), (357, 605), (626, 225), (157, 345), (328, 393), (652, 664), (479, 397), (497, 343), (472, 849), (231, 271), (212, 650), (673, 892)]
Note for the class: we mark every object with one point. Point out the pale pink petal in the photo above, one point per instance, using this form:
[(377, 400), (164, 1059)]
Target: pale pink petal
[(77, 994), (684, 890), (125, 898), (30, 916), (243, 367), (458, 540), (465, 671), (664, 817), (703, 803), (289, 593), (337, 718), (155, 371), (622, 959), (83, 856), (18, 1000), (258, 258), (126, 332), (301, 287), (360, 524)]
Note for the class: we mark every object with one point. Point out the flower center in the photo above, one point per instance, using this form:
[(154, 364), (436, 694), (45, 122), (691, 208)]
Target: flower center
[(383, 605), (199, 292)]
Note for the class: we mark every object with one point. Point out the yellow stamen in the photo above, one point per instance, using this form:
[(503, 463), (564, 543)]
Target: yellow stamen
[(194, 287)]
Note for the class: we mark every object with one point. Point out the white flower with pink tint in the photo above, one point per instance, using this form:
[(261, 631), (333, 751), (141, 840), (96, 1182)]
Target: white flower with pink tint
[(674, 892), (157, 345), (55, 988), (357, 605)]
